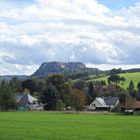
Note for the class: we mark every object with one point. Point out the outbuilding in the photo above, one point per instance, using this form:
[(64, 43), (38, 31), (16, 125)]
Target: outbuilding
[(104, 103), (26, 101)]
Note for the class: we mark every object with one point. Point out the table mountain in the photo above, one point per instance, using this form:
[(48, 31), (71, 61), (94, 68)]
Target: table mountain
[(47, 68)]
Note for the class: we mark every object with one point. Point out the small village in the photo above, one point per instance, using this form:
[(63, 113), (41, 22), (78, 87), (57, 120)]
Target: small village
[(56, 94), (69, 69), (26, 102)]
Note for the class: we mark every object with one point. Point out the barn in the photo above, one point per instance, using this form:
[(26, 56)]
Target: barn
[(26, 101), (104, 103)]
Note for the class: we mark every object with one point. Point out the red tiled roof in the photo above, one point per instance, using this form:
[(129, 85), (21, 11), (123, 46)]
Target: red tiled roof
[(137, 104)]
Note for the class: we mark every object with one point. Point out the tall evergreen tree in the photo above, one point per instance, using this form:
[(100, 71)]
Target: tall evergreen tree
[(58, 82), (138, 86), (91, 93), (7, 98), (138, 92), (131, 88), (50, 97), (54, 94)]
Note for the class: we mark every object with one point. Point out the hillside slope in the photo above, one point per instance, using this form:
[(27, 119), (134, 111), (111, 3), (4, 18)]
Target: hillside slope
[(135, 77), (9, 77)]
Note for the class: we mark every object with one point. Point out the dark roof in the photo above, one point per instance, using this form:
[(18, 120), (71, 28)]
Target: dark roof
[(26, 98), (111, 100), (19, 96)]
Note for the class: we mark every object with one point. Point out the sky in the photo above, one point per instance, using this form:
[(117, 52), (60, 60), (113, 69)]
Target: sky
[(100, 33)]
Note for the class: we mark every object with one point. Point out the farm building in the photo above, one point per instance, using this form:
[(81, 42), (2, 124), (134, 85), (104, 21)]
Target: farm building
[(26, 101), (137, 106), (104, 103)]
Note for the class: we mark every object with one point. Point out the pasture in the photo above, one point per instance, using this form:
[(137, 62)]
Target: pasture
[(135, 77), (67, 126)]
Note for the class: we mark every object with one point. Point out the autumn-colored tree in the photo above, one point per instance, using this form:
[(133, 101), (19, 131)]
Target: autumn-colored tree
[(76, 99), (130, 102)]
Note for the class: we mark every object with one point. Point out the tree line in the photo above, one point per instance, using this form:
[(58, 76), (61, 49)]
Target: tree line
[(57, 93), (54, 92)]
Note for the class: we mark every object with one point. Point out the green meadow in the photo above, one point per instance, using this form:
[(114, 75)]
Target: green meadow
[(135, 77), (68, 126)]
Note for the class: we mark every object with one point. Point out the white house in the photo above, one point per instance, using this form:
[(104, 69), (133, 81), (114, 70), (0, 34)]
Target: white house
[(104, 103)]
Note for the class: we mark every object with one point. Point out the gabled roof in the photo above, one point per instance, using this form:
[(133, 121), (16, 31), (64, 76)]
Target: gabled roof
[(31, 99), (19, 96), (107, 101), (25, 97), (111, 100), (101, 100)]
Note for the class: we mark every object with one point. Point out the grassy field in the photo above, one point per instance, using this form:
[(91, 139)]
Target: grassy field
[(62, 126), (128, 76)]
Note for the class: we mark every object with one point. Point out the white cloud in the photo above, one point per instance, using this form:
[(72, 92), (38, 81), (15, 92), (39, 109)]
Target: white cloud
[(109, 66), (18, 69), (70, 30)]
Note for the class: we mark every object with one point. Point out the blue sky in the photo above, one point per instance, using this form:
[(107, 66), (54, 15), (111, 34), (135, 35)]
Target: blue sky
[(117, 4), (99, 33)]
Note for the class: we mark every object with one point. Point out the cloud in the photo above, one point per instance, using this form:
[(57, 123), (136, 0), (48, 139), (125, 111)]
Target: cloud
[(108, 66), (70, 30)]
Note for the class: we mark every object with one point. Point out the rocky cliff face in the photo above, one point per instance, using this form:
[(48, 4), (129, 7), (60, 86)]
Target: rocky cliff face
[(59, 68)]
